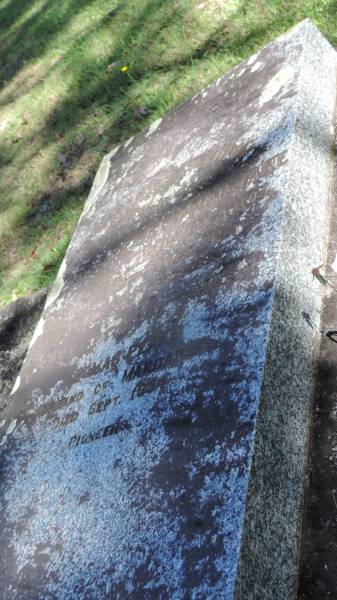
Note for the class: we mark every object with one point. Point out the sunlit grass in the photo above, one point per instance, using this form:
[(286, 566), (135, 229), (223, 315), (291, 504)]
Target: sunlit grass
[(63, 103)]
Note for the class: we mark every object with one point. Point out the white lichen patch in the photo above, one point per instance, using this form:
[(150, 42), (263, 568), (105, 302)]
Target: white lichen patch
[(152, 201), (16, 385), (242, 264), (10, 430), (153, 127), (122, 291), (138, 269), (38, 331), (186, 180), (334, 264), (252, 59), (275, 84), (138, 298), (11, 427), (128, 142), (136, 284), (58, 285), (158, 165), (170, 194), (194, 148), (99, 181), (256, 66), (247, 155)]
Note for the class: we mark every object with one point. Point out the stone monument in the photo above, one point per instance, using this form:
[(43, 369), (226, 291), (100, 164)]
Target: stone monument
[(154, 443)]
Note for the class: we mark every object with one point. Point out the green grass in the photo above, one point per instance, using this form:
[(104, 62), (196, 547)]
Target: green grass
[(62, 108)]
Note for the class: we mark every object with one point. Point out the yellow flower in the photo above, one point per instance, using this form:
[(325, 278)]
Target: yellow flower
[(124, 69)]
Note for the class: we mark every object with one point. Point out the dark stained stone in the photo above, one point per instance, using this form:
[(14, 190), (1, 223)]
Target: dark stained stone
[(155, 442), (18, 321)]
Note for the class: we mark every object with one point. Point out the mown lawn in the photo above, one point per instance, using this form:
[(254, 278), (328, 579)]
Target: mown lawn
[(79, 76)]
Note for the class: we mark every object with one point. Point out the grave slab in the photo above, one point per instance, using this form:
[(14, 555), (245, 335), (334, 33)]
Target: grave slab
[(155, 442)]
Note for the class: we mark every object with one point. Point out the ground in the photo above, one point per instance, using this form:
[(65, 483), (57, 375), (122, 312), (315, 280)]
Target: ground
[(79, 76)]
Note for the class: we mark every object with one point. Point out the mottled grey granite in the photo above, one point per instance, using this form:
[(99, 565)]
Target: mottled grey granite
[(269, 549), (155, 442), (318, 568)]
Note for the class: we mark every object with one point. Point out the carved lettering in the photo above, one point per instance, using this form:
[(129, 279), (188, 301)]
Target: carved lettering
[(142, 369), (112, 429), (65, 419), (75, 398), (100, 387), (101, 406), (74, 441)]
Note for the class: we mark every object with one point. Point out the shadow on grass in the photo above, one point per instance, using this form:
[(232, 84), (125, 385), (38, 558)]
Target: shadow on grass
[(106, 101), (29, 39)]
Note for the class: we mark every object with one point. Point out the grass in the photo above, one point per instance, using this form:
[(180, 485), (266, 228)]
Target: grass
[(65, 99)]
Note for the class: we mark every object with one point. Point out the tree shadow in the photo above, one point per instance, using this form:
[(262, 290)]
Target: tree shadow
[(35, 35), (93, 91)]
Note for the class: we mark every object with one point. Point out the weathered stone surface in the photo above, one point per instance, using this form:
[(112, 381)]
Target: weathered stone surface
[(155, 443)]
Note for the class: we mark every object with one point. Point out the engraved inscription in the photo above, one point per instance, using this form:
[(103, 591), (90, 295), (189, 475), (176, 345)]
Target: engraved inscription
[(112, 429), (145, 368), (100, 387), (60, 422), (74, 398), (100, 406)]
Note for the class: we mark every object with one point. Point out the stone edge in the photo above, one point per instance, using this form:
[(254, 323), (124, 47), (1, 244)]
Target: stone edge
[(268, 562)]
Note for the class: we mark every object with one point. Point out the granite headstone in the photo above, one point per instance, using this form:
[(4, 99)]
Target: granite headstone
[(154, 446)]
